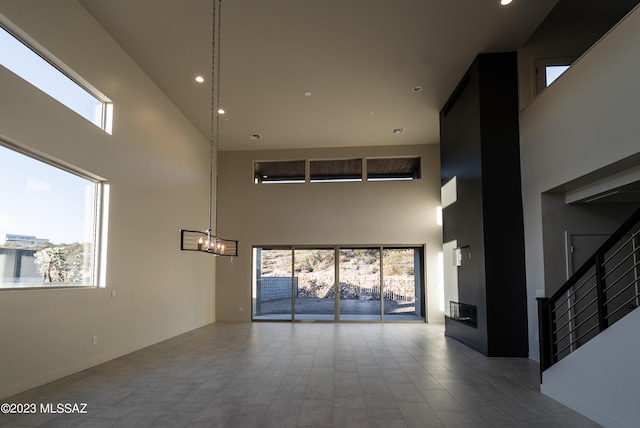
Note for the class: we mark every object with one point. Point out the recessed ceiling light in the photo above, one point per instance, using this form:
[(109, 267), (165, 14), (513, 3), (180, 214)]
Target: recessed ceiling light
[(505, 2), (307, 94), (199, 79), (398, 130), (416, 89), (256, 136), (220, 111)]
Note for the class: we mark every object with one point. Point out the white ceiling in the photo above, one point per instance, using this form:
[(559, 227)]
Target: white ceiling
[(360, 60)]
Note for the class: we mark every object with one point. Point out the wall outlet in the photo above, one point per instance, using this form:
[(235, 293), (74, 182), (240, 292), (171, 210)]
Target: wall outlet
[(113, 294), (239, 308), (190, 315), (94, 340)]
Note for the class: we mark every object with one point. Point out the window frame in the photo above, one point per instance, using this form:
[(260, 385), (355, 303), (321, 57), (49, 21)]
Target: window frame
[(260, 178), (541, 65), (291, 280), (362, 176), (104, 120), (337, 176), (99, 229), (396, 176)]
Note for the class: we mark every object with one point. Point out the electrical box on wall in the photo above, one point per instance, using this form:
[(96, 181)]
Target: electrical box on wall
[(457, 256)]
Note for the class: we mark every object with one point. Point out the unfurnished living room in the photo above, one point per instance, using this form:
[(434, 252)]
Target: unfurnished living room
[(290, 213)]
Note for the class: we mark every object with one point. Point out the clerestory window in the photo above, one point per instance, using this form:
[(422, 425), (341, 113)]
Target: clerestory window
[(337, 170), (43, 73), (549, 69)]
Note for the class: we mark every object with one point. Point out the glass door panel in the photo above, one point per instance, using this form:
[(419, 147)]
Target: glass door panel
[(273, 284), (359, 275), (403, 291), (315, 279)]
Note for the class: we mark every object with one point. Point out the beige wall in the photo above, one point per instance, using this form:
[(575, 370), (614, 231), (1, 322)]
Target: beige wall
[(354, 213), (560, 35), (583, 127), (157, 166)]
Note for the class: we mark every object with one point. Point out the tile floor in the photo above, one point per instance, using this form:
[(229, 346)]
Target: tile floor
[(303, 375)]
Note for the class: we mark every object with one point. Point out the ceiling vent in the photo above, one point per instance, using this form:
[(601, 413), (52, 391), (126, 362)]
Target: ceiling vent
[(398, 130), (256, 137)]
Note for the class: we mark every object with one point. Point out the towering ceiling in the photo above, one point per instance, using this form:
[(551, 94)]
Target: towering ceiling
[(326, 73)]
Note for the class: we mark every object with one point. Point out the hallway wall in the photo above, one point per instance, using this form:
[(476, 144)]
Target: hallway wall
[(580, 129)]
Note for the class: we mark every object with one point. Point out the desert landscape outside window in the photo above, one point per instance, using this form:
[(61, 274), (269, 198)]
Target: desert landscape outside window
[(338, 284)]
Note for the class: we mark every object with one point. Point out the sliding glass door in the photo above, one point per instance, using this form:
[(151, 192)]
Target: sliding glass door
[(402, 291), (274, 285), (360, 284), (338, 284), (315, 271)]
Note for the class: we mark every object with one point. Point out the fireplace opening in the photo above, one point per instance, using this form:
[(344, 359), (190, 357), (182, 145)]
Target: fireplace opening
[(466, 314)]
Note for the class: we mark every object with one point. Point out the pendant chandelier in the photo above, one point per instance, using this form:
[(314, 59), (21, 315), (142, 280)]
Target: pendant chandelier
[(207, 240)]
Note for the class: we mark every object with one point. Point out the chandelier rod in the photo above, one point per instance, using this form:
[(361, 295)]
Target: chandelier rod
[(214, 130)]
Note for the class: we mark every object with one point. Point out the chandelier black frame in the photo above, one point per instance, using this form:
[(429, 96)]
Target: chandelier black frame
[(207, 240)]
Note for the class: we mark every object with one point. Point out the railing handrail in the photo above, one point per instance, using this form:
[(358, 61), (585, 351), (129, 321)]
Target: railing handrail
[(563, 320), (591, 261)]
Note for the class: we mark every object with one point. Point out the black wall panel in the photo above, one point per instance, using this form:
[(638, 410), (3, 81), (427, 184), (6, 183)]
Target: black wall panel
[(479, 145)]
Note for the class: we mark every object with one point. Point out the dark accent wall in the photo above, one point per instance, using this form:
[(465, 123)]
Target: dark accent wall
[(479, 144)]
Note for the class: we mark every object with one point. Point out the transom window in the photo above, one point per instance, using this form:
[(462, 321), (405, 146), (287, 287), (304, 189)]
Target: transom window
[(379, 169), (337, 170), (279, 172), (549, 69), (24, 61)]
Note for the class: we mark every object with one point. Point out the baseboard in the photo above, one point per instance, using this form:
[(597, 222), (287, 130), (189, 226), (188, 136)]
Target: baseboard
[(11, 390), (233, 320), (580, 407)]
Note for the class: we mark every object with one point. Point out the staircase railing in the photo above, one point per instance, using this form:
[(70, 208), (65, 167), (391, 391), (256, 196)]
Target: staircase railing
[(602, 291)]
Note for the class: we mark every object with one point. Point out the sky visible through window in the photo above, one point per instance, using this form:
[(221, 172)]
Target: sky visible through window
[(37, 199), (554, 71), (40, 200), (24, 62)]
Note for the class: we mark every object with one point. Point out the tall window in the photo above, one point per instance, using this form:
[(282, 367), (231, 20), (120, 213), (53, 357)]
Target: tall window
[(20, 59), (49, 220)]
